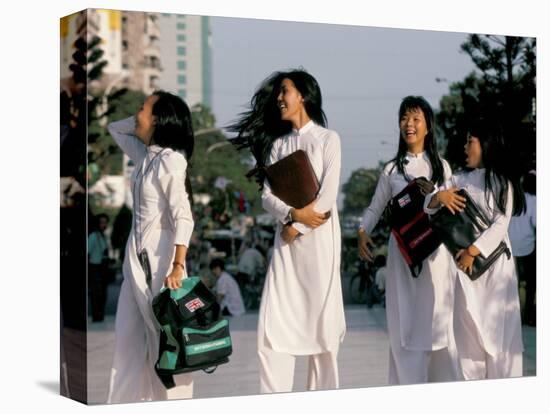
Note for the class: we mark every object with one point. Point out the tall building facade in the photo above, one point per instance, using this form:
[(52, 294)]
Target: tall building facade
[(186, 57), (140, 51), (146, 51)]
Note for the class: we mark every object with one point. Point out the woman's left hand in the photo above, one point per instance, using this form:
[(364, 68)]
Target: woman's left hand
[(289, 233), (464, 261), (173, 280)]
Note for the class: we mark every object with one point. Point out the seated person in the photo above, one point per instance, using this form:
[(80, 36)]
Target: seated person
[(227, 290)]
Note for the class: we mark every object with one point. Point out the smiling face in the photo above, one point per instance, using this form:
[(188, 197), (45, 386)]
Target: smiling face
[(145, 120), (290, 102), (473, 152), (413, 129)]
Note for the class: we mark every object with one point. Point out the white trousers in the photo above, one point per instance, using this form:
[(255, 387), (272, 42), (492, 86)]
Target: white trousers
[(418, 367), (133, 377), (474, 361), (277, 368)]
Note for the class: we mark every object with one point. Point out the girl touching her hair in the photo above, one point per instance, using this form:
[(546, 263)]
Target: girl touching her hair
[(159, 140)]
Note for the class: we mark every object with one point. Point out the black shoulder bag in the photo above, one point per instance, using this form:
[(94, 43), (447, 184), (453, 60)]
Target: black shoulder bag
[(460, 230), (411, 226)]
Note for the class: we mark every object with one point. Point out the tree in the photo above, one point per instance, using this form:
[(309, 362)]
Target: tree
[(359, 189), (202, 116), (122, 104), (214, 157), (502, 90), (456, 111)]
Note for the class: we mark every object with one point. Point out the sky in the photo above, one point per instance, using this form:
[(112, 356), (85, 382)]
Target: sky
[(363, 72)]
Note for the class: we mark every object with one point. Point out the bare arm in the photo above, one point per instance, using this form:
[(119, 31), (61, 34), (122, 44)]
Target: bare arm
[(173, 280)]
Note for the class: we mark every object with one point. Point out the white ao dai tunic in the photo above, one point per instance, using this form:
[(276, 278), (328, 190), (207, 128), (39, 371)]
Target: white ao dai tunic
[(302, 307), (162, 218), (492, 300), (418, 310)]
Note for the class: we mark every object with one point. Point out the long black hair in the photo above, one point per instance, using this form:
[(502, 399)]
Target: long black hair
[(174, 128), (261, 125), (411, 103), (499, 170)]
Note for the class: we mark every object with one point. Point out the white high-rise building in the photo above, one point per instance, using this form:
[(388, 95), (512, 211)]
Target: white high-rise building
[(140, 51), (186, 56)]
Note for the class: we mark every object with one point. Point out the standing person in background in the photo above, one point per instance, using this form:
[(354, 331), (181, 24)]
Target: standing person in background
[(418, 310), (122, 225), (159, 140), (98, 259), (251, 273), (301, 310), (486, 315), (522, 232), (251, 265)]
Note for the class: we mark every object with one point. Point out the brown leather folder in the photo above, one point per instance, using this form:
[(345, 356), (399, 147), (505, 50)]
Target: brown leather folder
[(293, 180)]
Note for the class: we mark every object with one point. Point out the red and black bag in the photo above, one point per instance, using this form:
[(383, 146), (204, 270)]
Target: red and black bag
[(411, 226)]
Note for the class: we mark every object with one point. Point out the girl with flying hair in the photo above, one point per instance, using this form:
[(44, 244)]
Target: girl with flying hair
[(301, 311)]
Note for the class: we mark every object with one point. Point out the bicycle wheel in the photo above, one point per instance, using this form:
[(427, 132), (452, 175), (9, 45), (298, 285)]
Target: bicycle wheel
[(357, 290)]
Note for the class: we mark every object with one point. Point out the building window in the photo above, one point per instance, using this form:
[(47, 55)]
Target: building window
[(180, 26), (153, 82), (181, 16), (153, 40), (152, 62), (125, 66), (182, 79), (181, 38), (182, 65), (124, 45), (181, 50), (182, 93)]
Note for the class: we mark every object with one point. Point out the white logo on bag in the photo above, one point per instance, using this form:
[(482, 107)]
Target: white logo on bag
[(194, 304), (208, 345), (403, 201)]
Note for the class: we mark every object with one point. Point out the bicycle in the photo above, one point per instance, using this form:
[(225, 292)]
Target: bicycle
[(251, 290), (362, 287)]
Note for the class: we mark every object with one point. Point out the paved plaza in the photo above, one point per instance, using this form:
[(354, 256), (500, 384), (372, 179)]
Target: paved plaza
[(363, 356)]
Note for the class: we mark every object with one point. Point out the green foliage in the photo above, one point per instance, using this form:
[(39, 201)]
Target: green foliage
[(503, 90), (215, 157), (359, 189), (202, 117), (122, 104)]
